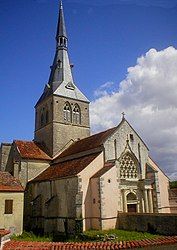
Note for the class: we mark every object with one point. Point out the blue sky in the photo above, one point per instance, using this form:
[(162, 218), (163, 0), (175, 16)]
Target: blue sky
[(105, 38)]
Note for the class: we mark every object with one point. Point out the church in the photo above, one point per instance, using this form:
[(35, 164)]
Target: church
[(70, 175)]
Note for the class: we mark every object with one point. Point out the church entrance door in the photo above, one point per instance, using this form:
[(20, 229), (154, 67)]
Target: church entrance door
[(131, 208)]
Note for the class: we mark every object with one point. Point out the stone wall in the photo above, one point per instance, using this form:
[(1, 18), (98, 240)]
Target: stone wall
[(48, 204), (164, 224), (5, 156), (57, 132), (119, 138), (14, 221), (29, 169)]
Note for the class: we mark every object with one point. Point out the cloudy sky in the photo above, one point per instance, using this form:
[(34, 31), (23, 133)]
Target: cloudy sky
[(125, 58)]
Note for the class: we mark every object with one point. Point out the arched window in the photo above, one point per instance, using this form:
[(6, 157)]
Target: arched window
[(42, 119), (131, 197), (76, 114), (128, 167), (67, 112), (61, 41)]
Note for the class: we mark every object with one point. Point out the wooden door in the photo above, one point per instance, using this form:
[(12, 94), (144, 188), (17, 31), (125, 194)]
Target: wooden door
[(131, 208)]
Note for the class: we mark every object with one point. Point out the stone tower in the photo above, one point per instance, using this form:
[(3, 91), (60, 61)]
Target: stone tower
[(62, 112)]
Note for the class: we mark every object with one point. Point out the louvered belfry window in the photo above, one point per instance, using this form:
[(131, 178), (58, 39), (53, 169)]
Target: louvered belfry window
[(8, 207)]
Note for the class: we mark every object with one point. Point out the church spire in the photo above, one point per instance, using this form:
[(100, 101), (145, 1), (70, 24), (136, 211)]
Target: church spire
[(61, 36), (61, 69), (61, 78)]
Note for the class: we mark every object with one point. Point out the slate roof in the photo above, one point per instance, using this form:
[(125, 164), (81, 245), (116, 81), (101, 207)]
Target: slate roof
[(87, 143), (65, 169), (31, 150), (107, 167), (8, 183)]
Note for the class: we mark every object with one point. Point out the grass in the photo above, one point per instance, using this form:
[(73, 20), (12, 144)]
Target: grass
[(30, 236), (119, 235), (92, 235)]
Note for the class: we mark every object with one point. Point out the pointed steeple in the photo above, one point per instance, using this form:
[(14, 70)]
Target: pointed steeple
[(61, 79), (62, 112), (61, 36)]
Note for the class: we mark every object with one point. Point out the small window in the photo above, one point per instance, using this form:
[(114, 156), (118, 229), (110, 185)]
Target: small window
[(131, 137), (8, 207), (64, 42), (61, 40), (94, 201)]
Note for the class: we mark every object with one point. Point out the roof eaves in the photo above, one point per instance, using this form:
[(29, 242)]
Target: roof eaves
[(78, 155), (51, 179)]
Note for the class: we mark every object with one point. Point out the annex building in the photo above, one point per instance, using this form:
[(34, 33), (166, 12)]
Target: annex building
[(69, 174)]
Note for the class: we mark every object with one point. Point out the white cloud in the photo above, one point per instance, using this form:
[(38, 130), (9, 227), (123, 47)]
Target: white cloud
[(148, 96), (104, 89)]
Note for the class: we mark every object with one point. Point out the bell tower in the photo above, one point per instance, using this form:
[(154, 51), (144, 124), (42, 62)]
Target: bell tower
[(62, 111)]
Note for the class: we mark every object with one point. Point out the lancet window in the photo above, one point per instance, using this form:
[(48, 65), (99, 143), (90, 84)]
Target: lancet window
[(76, 114), (67, 112), (128, 167), (42, 119)]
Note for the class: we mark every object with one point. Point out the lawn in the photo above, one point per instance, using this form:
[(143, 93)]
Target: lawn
[(29, 236), (118, 235), (91, 235)]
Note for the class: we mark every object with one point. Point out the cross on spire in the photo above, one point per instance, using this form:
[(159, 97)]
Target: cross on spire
[(123, 115)]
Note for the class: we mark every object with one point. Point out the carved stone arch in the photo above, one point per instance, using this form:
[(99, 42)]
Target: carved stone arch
[(76, 114), (67, 112), (131, 196), (132, 201)]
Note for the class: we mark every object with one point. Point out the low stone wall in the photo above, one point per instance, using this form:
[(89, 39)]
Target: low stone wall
[(164, 224)]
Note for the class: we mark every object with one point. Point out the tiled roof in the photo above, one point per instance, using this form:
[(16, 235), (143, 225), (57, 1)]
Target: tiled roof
[(65, 169), (31, 150), (87, 143), (8, 183), (4, 232), (107, 167), (144, 243)]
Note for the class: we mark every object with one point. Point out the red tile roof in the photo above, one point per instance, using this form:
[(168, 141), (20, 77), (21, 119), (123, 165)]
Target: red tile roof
[(8, 183), (107, 167), (25, 245), (65, 169), (31, 150), (87, 143), (4, 232)]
